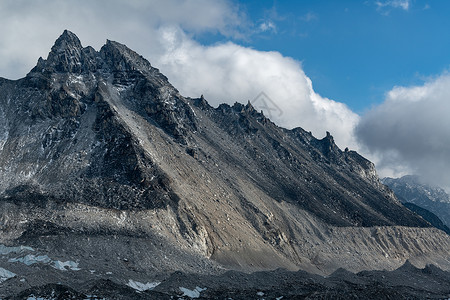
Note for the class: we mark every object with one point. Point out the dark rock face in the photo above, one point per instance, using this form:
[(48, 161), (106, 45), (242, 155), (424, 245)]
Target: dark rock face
[(103, 164), (411, 189)]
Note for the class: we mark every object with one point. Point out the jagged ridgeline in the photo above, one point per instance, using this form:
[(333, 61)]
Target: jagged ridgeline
[(100, 142), (77, 131)]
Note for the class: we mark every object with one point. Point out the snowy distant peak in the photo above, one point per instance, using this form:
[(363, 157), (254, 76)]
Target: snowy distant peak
[(412, 188)]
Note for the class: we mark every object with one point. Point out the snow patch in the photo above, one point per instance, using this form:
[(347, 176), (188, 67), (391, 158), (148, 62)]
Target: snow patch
[(166, 96), (93, 297), (260, 294), (63, 265), (5, 275), (4, 130), (75, 79), (31, 259), (33, 297), (4, 250), (139, 286), (121, 88), (195, 293)]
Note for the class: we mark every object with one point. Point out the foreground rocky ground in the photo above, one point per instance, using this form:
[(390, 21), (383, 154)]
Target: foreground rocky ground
[(407, 282)]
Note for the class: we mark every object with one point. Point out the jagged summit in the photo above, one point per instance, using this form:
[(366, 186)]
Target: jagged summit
[(69, 56), (67, 40)]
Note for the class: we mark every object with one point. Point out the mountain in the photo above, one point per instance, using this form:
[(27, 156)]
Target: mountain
[(411, 189), (108, 173)]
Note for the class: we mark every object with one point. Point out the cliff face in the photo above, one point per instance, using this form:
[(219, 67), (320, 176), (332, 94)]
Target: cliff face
[(98, 149)]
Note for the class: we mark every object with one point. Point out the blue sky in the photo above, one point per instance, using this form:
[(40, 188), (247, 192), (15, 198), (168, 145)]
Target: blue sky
[(354, 51)]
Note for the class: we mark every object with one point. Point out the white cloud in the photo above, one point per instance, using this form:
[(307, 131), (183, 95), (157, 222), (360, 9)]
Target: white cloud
[(229, 72), (267, 26), (410, 131), (403, 4), (385, 6), (310, 16)]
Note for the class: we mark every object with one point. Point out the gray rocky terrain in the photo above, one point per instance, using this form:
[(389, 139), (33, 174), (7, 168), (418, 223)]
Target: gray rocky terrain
[(407, 282), (110, 180)]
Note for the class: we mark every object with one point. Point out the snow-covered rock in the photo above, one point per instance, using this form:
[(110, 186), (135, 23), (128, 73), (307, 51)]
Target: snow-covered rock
[(5, 275), (139, 286), (195, 293)]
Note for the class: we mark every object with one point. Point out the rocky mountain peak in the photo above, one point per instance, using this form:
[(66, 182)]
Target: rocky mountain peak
[(67, 40), (68, 55), (122, 58)]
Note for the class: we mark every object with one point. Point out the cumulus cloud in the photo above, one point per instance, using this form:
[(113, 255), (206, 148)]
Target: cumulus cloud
[(410, 131), (229, 72)]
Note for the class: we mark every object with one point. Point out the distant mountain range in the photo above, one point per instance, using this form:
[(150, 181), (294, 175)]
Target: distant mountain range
[(108, 174), (410, 189)]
